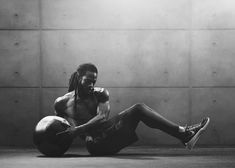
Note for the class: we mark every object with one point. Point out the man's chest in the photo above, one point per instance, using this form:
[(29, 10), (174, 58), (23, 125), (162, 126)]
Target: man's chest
[(85, 108)]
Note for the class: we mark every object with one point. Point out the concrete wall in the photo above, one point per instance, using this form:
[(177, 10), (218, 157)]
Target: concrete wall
[(176, 56)]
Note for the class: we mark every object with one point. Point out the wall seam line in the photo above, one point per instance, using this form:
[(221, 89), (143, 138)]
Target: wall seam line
[(109, 29), (40, 60), (190, 103)]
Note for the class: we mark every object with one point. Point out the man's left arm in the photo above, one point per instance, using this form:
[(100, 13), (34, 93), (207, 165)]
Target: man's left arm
[(103, 111), (103, 108)]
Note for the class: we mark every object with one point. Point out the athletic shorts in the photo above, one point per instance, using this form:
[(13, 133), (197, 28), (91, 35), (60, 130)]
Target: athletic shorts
[(112, 135)]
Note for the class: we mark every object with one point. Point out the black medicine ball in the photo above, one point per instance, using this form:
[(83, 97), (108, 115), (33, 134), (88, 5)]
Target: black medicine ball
[(46, 140)]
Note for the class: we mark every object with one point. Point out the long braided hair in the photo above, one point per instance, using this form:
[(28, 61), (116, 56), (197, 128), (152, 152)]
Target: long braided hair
[(74, 81)]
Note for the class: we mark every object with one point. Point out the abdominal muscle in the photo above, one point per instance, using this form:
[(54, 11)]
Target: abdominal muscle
[(82, 114)]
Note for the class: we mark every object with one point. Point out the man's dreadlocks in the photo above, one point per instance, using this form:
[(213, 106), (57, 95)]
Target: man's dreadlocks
[(76, 78)]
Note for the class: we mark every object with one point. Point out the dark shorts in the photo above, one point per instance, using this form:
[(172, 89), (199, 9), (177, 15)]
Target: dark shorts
[(113, 135)]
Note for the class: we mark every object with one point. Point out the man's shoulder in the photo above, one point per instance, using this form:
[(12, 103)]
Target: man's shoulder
[(63, 99), (69, 94), (101, 93)]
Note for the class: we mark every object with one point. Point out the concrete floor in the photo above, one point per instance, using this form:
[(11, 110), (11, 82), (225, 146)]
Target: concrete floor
[(137, 157)]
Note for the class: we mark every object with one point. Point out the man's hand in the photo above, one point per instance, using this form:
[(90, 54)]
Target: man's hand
[(69, 131), (73, 131), (89, 139)]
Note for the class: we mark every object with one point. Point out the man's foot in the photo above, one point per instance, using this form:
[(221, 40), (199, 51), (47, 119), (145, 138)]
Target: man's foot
[(193, 132)]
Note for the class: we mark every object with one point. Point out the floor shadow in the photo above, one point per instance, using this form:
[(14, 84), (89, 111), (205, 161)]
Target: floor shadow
[(144, 156), (118, 156), (136, 157), (65, 156), (133, 155), (173, 154)]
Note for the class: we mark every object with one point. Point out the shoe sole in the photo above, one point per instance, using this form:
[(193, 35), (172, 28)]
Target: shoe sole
[(192, 142)]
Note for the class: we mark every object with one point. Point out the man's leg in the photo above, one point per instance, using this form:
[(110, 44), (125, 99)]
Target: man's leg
[(141, 112)]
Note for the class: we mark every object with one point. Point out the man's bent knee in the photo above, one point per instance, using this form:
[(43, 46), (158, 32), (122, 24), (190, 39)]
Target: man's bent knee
[(139, 106)]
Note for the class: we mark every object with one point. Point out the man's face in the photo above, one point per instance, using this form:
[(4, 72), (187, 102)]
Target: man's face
[(88, 81)]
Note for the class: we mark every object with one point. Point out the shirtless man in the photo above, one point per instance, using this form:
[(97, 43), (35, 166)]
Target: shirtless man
[(87, 109)]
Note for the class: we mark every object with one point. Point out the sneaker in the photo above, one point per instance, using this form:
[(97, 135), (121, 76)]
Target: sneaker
[(193, 132)]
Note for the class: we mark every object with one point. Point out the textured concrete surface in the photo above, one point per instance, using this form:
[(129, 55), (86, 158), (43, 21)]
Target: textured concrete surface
[(19, 114), (120, 14), (175, 56), (213, 58), (19, 14), (137, 58), (19, 65), (131, 157), (208, 14)]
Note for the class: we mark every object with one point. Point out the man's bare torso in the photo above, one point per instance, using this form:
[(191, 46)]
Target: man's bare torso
[(85, 109)]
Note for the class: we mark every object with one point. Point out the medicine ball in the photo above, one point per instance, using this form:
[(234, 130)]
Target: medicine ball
[(46, 140)]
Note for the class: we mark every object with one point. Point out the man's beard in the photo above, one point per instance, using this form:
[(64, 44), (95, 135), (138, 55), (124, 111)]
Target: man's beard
[(84, 91)]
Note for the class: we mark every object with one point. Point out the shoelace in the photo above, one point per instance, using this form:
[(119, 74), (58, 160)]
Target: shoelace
[(192, 127)]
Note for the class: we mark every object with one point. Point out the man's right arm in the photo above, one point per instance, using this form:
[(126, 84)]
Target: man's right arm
[(60, 105)]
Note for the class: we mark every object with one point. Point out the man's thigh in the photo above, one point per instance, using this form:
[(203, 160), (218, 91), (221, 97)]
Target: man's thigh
[(113, 135)]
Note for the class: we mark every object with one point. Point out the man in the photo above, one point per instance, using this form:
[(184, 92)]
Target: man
[(87, 109)]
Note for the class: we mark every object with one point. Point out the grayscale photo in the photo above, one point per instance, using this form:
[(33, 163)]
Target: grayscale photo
[(117, 83)]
